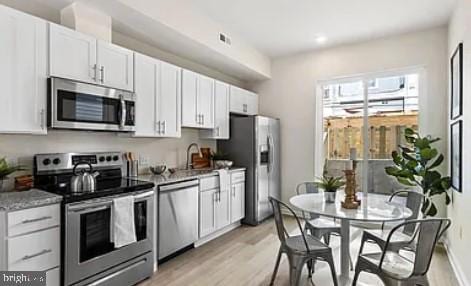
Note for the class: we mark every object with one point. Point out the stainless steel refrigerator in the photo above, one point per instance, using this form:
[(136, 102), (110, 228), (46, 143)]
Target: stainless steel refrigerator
[(255, 144)]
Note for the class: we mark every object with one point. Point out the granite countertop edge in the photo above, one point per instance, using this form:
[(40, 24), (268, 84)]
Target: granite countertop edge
[(18, 200), (167, 179)]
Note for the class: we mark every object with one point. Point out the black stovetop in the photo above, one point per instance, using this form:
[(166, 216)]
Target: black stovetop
[(108, 187)]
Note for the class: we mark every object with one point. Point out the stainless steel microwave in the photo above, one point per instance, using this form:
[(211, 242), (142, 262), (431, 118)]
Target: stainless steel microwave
[(76, 105)]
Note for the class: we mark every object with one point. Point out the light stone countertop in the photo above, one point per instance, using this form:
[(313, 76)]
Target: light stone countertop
[(182, 175), (11, 201)]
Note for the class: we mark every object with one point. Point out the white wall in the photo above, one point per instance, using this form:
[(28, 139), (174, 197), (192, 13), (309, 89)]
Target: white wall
[(459, 211), (290, 94)]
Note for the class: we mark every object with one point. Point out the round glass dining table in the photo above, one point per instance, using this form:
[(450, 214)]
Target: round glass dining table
[(373, 208)]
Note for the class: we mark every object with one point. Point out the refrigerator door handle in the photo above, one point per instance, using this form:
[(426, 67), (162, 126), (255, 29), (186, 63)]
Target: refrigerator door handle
[(271, 154)]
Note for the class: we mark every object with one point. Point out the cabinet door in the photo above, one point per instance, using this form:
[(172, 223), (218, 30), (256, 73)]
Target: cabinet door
[(115, 66), (237, 202), (207, 212), (221, 113), (145, 84), (252, 103), (190, 118), (238, 100), (205, 102), (223, 210), (23, 76), (169, 98), (72, 55)]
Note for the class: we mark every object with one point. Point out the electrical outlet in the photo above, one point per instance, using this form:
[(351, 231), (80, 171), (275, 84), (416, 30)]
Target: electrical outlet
[(143, 160)]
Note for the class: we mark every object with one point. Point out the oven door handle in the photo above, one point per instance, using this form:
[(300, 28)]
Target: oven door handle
[(122, 122), (98, 206)]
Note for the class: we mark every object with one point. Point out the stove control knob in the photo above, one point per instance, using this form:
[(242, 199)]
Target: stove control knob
[(101, 159), (46, 161), (108, 158), (56, 161), (115, 158)]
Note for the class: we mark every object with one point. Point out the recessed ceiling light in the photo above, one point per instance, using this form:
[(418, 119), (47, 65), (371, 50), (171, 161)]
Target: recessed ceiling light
[(321, 39)]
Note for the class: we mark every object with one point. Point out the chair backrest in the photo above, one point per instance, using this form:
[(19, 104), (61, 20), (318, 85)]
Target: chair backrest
[(307, 188), (428, 233), (279, 222), (413, 202)]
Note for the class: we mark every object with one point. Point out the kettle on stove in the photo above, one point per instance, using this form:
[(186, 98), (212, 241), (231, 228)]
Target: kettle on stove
[(83, 181)]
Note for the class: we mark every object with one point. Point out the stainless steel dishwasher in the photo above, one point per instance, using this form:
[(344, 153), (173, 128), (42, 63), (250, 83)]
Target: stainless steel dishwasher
[(178, 217)]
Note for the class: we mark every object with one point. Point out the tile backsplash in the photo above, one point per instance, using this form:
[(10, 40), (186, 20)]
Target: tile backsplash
[(169, 151)]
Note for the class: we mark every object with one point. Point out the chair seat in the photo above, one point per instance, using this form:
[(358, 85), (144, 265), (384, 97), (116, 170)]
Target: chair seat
[(394, 264), (383, 235), (296, 243), (323, 223)]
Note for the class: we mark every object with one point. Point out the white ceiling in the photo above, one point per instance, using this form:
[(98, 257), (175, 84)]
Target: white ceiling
[(281, 27)]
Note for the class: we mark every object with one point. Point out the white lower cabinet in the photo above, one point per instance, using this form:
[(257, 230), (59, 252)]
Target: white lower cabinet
[(237, 201), (219, 209), (30, 241)]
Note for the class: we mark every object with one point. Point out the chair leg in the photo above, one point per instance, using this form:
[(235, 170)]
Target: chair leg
[(327, 238), (355, 278), (296, 264), (351, 261), (330, 260), (275, 271), (363, 239)]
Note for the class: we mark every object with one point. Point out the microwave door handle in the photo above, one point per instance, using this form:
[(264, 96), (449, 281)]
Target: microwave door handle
[(123, 112)]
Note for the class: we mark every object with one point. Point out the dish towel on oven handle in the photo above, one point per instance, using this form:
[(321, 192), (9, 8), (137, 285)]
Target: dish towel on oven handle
[(224, 180), (122, 229)]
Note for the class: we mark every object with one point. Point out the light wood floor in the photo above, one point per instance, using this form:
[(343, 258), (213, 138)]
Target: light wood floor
[(246, 256)]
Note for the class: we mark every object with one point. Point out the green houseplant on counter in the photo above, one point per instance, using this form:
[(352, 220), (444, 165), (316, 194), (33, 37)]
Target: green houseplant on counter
[(330, 185), (416, 166), (6, 169)]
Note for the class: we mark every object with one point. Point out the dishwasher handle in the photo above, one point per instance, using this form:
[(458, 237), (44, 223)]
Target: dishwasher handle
[(178, 186)]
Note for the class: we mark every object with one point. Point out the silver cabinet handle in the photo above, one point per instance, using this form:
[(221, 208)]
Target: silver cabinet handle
[(201, 119), (42, 252), (202, 116), (197, 119), (42, 118), (245, 107), (157, 127), (26, 221), (164, 127), (102, 71), (95, 72), (217, 131), (123, 111)]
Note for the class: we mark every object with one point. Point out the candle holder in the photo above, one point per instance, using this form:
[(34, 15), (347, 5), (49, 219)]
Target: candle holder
[(350, 201)]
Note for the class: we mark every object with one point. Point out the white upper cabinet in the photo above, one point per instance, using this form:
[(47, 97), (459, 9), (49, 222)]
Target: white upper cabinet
[(76, 56), (115, 66), (158, 98), (72, 55), (221, 113), (169, 100), (197, 100), (243, 101), (205, 102), (145, 89), (23, 76)]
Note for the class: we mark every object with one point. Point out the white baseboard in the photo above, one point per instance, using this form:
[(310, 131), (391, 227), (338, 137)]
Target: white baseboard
[(218, 233), (459, 273)]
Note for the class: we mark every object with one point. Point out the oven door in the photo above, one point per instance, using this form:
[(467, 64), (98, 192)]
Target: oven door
[(88, 248), (75, 105)]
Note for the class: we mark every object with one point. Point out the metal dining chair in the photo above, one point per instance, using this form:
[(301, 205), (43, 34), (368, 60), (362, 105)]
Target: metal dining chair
[(403, 237), (316, 225), (301, 249), (392, 267)]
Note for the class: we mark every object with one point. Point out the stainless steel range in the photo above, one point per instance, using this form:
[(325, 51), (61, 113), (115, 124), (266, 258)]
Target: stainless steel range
[(89, 256)]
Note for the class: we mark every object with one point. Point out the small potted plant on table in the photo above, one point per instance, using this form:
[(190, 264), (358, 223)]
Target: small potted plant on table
[(330, 185)]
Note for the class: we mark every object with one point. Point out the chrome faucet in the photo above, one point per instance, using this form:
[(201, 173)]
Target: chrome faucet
[(188, 154)]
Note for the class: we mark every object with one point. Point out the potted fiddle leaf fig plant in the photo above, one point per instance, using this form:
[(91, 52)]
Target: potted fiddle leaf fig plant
[(330, 185), (6, 169), (416, 166)]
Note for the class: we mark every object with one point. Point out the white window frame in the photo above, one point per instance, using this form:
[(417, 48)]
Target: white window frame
[(364, 78)]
